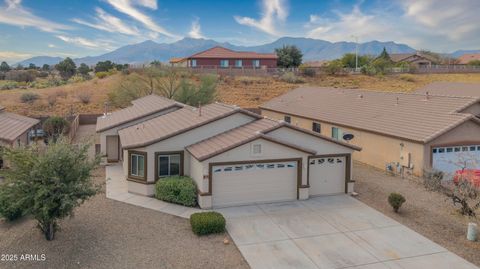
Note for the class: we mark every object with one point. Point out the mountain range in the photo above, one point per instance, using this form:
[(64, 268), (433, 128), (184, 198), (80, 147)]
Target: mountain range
[(147, 51)]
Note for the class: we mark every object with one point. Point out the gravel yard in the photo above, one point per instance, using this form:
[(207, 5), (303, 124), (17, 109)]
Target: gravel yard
[(428, 213), (109, 234)]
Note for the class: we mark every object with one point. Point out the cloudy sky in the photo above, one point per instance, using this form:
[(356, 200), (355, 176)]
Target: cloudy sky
[(90, 27)]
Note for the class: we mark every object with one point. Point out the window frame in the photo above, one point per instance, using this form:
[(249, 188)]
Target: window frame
[(145, 166), (168, 153), (254, 63), (339, 133), (253, 149), (193, 63), (239, 61), (287, 117), (224, 60), (319, 127)]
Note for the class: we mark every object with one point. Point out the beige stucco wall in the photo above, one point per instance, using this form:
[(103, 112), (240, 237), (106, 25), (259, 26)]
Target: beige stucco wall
[(179, 142), (377, 150), (114, 130)]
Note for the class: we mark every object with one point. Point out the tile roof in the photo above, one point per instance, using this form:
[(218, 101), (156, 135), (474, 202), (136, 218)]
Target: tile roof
[(408, 116), (220, 52), (14, 125), (174, 123), (243, 134), (398, 57), (451, 89), (141, 107), (466, 58)]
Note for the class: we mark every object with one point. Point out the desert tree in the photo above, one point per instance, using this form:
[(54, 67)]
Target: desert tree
[(66, 68), (170, 83), (4, 67), (48, 183), (83, 70), (289, 56), (55, 126)]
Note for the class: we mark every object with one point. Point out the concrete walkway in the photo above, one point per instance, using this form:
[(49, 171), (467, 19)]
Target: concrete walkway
[(323, 232), (116, 189)]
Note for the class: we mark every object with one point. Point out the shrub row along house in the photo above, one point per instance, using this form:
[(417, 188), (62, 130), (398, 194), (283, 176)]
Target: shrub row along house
[(405, 132), (219, 57), (233, 155)]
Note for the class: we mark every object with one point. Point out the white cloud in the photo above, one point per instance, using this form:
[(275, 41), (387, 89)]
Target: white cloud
[(106, 22), (12, 56), (87, 43), (51, 46), (14, 14), (273, 12), (127, 7), (196, 31)]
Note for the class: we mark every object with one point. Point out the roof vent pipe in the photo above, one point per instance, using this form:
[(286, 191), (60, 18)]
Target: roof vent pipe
[(360, 96), (397, 100), (427, 95), (106, 109), (199, 110)]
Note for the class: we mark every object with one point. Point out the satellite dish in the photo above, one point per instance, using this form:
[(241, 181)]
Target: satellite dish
[(348, 137)]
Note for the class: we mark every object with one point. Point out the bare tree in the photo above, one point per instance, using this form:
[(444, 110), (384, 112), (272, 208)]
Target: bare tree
[(170, 84)]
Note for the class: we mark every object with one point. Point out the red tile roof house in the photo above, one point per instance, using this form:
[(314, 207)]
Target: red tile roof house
[(219, 57), (234, 156), (467, 58)]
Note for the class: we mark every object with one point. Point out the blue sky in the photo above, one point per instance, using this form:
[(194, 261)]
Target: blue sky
[(90, 27)]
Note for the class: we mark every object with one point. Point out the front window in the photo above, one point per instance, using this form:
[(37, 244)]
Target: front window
[(137, 165), (316, 127), (193, 63), (168, 165), (287, 119), (238, 63), (256, 63), (223, 63), (336, 133)]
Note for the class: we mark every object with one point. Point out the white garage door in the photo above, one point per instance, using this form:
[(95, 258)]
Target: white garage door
[(327, 175), (254, 183), (450, 159)]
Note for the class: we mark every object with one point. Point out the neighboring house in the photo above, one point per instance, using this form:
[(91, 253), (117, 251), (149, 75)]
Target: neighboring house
[(467, 58), (219, 57), (416, 59), (410, 131), (178, 62), (14, 130), (234, 156), (451, 89), (142, 109)]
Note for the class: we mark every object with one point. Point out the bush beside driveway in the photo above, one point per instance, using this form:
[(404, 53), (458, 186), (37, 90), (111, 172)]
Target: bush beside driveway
[(428, 213), (108, 234)]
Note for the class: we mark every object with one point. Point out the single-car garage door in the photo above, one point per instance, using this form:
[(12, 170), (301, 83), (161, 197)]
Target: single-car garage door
[(450, 159), (327, 175), (239, 184)]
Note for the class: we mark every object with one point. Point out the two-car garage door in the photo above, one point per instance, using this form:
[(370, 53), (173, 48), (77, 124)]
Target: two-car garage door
[(451, 159), (248, 183)]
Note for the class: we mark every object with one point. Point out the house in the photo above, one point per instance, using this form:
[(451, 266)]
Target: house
[(219, 57), (142, 109), (467, 58), (406, 132), (451, 89), (234, 156), (178, 62), (14, 130), (416, 59)]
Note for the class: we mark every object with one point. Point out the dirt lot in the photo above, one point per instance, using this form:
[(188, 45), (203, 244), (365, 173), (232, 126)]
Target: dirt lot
[(428, 213), (109, 234), (247, 92)]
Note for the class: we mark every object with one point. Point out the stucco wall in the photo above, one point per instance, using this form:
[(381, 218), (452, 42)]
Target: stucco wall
[(114, 130), (212, 62), (179, 142), (377, 150)]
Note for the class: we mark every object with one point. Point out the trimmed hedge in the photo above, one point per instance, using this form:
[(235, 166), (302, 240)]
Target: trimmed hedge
[(177, 189), (207, 223)]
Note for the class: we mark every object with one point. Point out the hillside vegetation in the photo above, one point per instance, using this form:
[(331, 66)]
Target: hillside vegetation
[(248, 92)]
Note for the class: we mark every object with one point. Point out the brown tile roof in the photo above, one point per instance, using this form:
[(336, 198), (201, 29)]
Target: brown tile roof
[(141, 107), (451, 89), (466, 58), (398, 57), (177, 60), (413, 117), (241, 135), (220, 52), (14, 125), (174, 123)]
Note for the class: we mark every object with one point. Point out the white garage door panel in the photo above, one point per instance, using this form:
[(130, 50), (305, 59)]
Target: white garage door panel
[(450, 159), (327, 175), (254, 183)]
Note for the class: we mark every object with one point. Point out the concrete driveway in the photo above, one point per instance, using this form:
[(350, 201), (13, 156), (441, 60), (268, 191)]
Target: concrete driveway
[(331, 232)]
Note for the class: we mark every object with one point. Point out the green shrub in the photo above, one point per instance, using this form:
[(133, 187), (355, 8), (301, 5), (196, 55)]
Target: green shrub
[(207, 223), (177, 189), (290, 77), (396, 200), (9, 209), (29, 97), (308, 71), (334, 67), (101, 75)]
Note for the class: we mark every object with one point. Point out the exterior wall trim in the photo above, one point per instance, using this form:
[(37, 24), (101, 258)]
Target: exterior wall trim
[(145, 167)]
